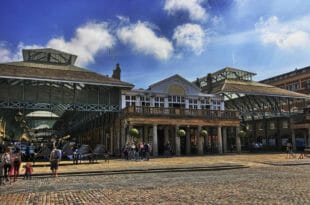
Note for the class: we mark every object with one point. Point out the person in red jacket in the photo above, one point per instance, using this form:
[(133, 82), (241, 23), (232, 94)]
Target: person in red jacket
[(28, 171)]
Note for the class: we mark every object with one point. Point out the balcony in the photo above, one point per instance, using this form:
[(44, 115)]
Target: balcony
[(179, 113)]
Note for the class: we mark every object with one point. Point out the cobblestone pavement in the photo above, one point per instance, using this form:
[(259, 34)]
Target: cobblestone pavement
[(253, 160), (256, 185)]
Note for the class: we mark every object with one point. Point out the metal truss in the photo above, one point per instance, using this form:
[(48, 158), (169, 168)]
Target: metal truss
[(59, 106)]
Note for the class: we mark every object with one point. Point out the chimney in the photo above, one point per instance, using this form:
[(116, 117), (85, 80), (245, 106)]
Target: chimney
[(209, 83), (117, 72)]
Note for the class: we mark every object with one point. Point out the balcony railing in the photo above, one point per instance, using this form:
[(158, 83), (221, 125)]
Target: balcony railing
[(180, 112)]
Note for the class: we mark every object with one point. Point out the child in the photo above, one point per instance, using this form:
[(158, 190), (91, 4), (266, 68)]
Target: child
[(28, 171)]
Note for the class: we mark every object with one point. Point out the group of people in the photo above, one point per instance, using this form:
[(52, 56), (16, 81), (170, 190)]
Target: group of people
[(136, 151), (290, 151), (10, 166)]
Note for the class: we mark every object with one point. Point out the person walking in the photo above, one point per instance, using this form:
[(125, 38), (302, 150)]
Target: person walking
[(1, 171), (54, 160), (28, 171), (6, 158), (16, 164)]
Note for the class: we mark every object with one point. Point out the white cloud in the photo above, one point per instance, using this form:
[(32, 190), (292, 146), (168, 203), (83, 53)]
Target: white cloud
[(144, 40), (89, 39), (193, 7), (5, 53), (286, 35), (190, 36)]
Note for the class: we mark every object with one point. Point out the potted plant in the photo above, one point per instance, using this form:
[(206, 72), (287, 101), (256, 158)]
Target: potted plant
[(181, 133)]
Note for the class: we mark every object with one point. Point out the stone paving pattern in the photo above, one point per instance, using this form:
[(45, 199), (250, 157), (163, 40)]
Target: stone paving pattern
[(253, 160), (260, 184)]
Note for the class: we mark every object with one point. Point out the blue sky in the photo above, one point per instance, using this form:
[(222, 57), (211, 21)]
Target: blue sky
[(154, 39)]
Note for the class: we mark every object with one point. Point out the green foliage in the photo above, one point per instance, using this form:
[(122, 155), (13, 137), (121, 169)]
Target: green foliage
[(181, 133), (204, 133), (134, 132), (241, 133)]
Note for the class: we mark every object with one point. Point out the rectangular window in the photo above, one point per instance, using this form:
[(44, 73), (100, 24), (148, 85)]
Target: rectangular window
[(130, 100), (159, 102), (193, 104)]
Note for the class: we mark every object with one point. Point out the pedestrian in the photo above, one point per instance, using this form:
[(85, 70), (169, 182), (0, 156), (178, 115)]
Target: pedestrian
[(6, 158), (54, 160), (289, 150), (302, 154), (147, 152), (1, 171), (16, 164), (28, 171)]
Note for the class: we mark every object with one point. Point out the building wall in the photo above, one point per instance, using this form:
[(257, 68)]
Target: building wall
[(298, 81)]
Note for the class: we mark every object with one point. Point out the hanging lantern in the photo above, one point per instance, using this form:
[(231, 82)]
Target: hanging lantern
[(181, 133), (204, 133), (134, 132)]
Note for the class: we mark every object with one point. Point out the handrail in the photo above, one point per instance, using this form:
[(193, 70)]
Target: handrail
[(180, 112)]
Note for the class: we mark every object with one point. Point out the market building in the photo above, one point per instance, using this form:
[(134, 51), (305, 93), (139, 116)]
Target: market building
[(46, 97), (172, 104), (267, 112)]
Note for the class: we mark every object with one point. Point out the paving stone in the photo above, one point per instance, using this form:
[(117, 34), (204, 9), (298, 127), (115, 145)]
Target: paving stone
[(256, 185)]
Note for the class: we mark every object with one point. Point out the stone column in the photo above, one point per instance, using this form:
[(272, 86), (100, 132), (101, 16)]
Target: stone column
[(188, 140), (177, 142), (166, 134), (309, 137), (224, 139), (200, 141), (219, 140), (145, 134), (238, 140), (123, 135), (293, 139), (129, 138), (155, 145)]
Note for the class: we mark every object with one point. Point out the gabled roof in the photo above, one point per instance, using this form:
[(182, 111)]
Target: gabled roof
[(57, 72), (230, 69), (175, 76), (254, 88)]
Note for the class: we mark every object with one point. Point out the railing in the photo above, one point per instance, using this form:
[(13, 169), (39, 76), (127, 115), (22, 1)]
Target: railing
[(180, 112)]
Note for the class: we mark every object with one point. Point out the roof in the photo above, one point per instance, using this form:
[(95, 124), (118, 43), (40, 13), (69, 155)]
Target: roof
[(175, 76), (57, 72), (254, 88), (285, 75), (48, 55), (229, 69)]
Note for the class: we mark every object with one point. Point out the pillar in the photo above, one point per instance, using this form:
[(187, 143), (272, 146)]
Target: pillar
[(177, 142), (224, 139), (123, 135), (305, 138), (155, 144), (219, 140), (129, 138), (145, 134), (166, 134), (309, 137), (200, 141), (293, 139), (238, 140), (188, 140)]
